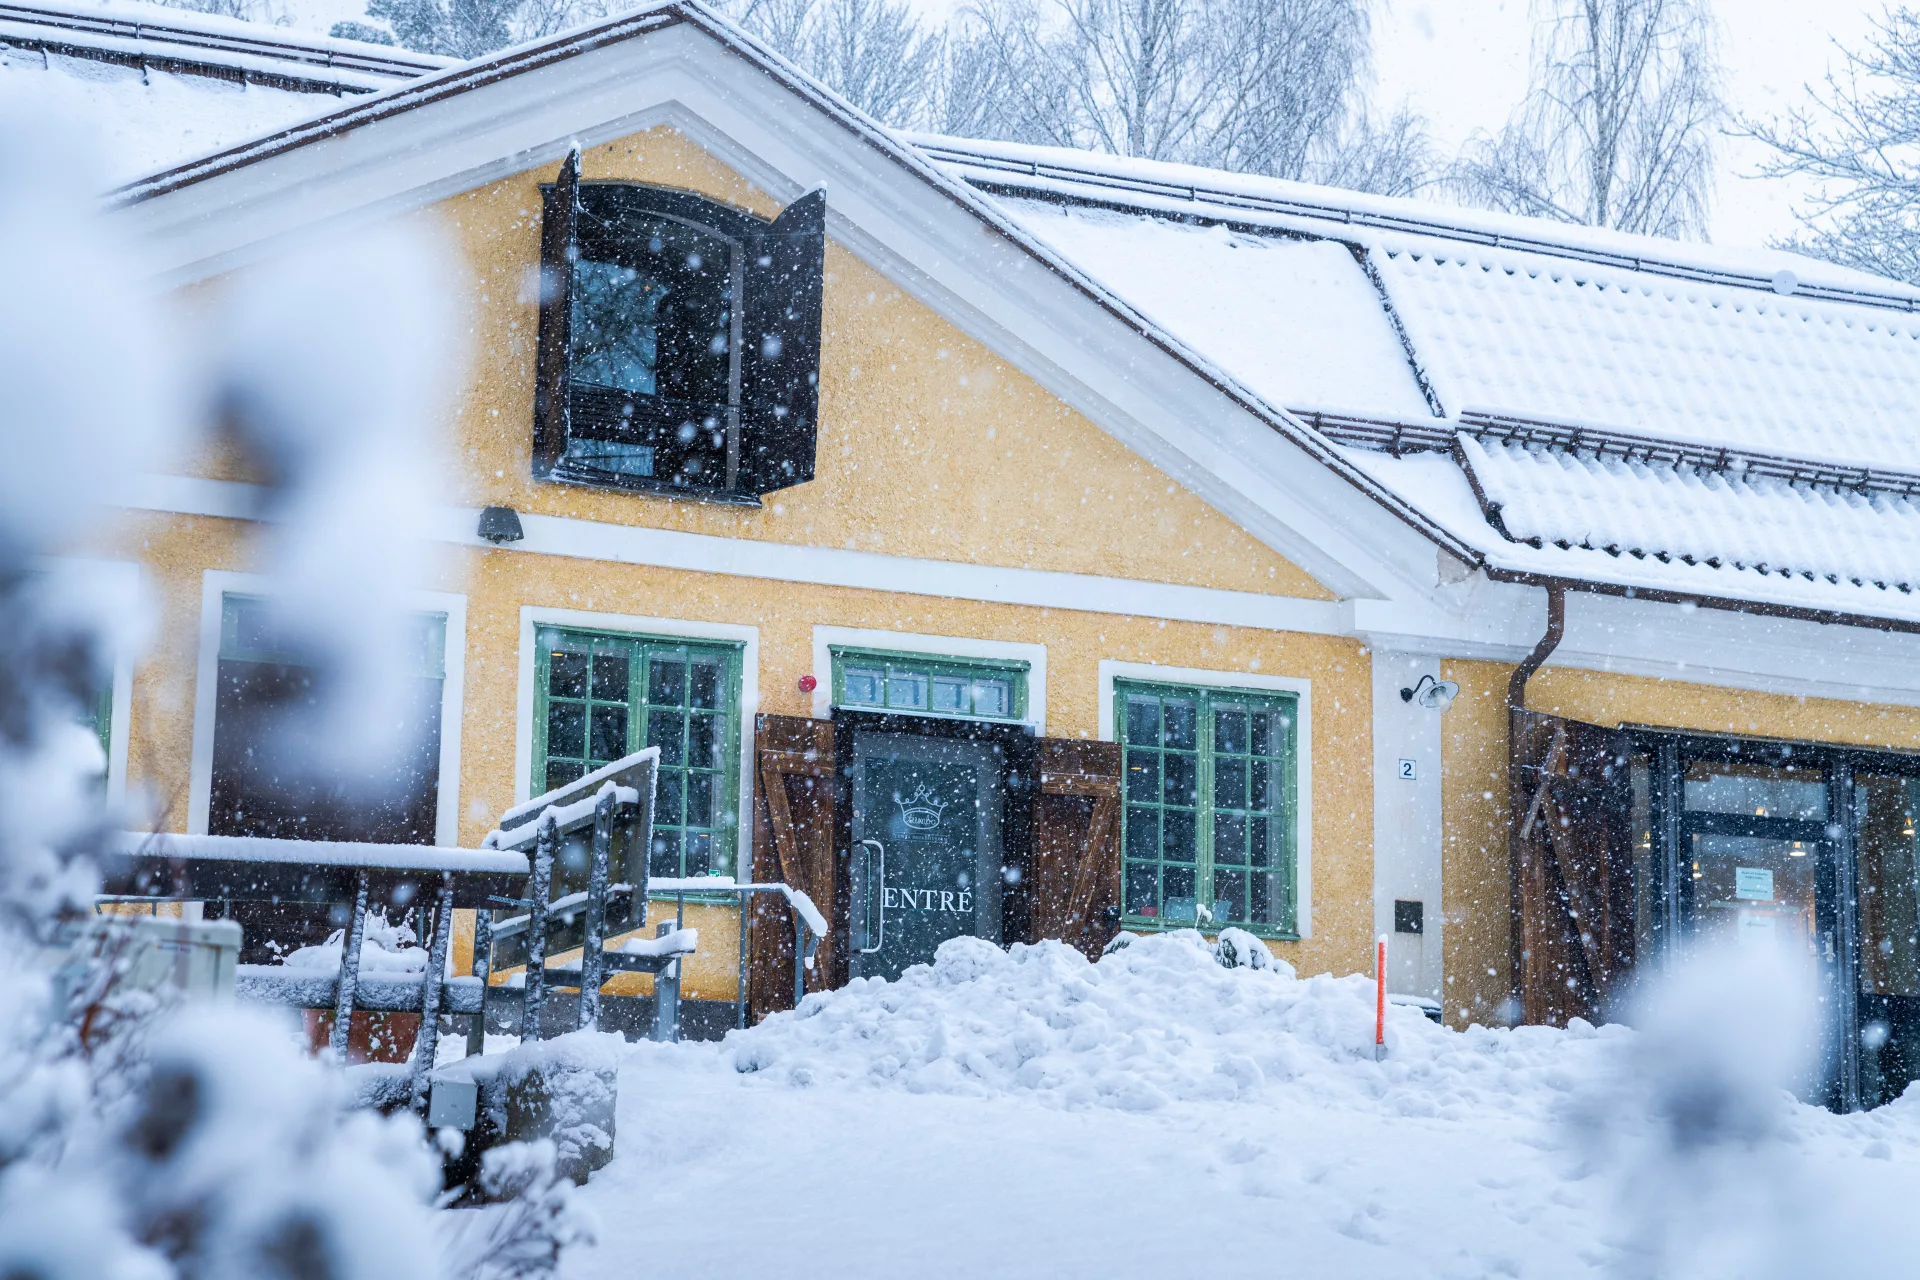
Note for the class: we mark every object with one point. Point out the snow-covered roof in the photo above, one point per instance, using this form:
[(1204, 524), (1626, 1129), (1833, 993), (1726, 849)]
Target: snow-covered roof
[(1677, 419), (155, 86)]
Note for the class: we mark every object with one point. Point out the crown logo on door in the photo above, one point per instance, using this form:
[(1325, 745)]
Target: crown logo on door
[(921, 811)]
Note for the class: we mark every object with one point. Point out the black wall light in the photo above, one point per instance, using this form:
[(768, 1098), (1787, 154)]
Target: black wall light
[(501, 524)]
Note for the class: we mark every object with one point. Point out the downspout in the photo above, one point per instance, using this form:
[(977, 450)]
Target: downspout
[(1519, 798), (1556, 631)]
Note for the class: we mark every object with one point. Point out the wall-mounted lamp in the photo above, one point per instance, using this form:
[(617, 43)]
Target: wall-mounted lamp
[(1434, 695), (500, 524)]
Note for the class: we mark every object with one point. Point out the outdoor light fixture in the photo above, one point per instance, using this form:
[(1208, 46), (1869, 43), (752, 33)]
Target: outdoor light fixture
[(1434, 695), (501, 524)]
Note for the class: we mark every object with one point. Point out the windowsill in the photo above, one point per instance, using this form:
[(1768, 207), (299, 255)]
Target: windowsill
[(648, 488), (1140, 924)]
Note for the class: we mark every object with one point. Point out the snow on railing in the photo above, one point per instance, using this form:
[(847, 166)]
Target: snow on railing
[(563, 815), (797, 899)]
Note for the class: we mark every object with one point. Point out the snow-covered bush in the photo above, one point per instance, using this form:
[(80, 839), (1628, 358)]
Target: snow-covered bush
[(140, 1138)]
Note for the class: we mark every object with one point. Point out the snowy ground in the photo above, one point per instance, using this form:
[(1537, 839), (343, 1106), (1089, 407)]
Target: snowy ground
[(1031, 1115)]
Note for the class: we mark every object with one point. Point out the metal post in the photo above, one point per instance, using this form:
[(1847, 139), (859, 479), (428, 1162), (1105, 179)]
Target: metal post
[(349, 971), (483, 970), (537, 893), (666, 997), (799, 956), (426, 1042), (593, 964), (740, 1005)]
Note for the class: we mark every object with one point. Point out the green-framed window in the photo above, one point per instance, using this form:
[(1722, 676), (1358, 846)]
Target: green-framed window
[(1210, 790), (604, 695), (929, 684)]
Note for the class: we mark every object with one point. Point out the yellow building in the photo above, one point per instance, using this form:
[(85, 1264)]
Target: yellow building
[(879, 480)]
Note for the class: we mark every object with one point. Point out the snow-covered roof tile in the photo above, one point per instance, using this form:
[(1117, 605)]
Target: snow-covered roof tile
[(1297, 322), (156, 86), (1527, 336)]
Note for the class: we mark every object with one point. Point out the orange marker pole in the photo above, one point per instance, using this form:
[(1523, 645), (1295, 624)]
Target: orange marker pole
[(1380, 1000)]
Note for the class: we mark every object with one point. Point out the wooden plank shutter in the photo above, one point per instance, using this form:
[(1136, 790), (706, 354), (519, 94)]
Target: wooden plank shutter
[(1073, 889), (780, 368), (793, 841), (1573, 891), (559, 250)]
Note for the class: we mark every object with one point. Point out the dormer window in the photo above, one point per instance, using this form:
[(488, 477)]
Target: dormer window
[(679, 341)]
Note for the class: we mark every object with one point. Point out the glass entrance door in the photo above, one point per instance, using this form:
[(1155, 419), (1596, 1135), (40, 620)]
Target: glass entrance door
[(927, 846), (1887, 907)]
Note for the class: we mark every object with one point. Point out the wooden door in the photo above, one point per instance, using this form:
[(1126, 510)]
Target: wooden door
[(1573, 890), (1074, 862), (793, 842)]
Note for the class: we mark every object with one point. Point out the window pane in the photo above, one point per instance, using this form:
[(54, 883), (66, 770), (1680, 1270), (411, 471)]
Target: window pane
[(1265, 899), (862, 686), (1143, 833), (1143, 889), (1229, 783), (1230, 897), (1181, 787), (1179, 724), (1265, 790), (567, 728), (699, 853), (664, 861), (1265, 740), (950, 694), (610, 677), (666, 682), (1714, 786), (609, 733), (1143, 775), (1229, 838), (1178, 899), (699, 799), (906, 689), (559, 774), (708, 682), (666, 798), (992, 698), (1143, 721), (567, 675), (1230, 731), (1180, 836), (1258, 832), (703, 742), (665, 730)]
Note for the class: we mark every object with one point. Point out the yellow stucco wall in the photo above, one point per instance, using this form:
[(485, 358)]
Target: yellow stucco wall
[(930, 446), (1474, 782)]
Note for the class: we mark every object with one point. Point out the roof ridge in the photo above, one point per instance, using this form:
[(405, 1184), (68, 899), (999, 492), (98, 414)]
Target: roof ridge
[(1004, 173)]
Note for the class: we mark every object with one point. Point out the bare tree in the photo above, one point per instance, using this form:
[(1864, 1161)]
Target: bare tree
[(874, 53), (1618, 127), (1858, 143), (1261, 86)]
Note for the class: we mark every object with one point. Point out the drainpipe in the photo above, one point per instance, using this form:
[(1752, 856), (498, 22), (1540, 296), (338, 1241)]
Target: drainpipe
[(1556, 631), (1518, 797)]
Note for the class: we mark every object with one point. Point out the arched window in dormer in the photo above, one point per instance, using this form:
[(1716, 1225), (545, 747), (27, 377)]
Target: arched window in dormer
[(679, 341)]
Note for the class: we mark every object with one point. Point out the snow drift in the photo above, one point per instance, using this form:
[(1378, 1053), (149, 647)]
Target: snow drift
[(1157, 1021)]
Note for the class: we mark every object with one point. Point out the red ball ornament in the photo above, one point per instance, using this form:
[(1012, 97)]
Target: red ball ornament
[(808, 684)]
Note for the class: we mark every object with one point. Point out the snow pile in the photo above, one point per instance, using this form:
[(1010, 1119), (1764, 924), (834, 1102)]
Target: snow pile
[(1155, 1022), (388, 949)]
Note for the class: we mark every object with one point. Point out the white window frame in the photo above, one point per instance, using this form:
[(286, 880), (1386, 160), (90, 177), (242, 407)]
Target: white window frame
[(747, 637), (215, 586), (1302, 689), (825, 639)]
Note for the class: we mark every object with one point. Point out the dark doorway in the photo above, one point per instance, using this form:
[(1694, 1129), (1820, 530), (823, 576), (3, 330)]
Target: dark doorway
[(1808, 846), (936, 819)]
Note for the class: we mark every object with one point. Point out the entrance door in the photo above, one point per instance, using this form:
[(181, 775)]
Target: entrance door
[(927, 846), (1759, 866)]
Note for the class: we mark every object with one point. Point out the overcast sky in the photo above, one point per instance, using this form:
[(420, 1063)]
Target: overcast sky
[(1463, 64)]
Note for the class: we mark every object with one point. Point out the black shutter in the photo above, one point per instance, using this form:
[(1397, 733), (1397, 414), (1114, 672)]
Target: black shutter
[(559, 248), (780, 368)]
